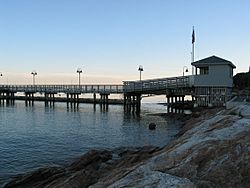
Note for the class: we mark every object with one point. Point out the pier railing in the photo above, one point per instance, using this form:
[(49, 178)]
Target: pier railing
[(144, 86), (63, 88), (154, 85)]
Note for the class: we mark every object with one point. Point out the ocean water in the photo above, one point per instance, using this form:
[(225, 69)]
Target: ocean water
[(37, 136)]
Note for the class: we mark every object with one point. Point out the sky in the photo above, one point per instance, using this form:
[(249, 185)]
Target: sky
[(109, 39)]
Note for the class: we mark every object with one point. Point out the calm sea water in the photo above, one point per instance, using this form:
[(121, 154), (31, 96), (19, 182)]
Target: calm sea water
[(37, 136)]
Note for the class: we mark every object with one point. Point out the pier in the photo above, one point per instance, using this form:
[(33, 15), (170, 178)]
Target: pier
[(175, 89), (47, 93), (210, 86), (132, 92)]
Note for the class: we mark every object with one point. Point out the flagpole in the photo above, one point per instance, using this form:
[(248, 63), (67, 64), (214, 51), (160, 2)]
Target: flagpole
[(193, 40), (193, 57)]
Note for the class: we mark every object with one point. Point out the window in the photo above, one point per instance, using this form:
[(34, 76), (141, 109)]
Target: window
[(204, 70), (230, 72)]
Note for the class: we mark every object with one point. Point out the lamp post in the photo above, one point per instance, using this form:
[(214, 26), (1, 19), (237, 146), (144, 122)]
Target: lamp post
[(140, 69), (79, 71), (34, 73), (1, 74), (185, 69)]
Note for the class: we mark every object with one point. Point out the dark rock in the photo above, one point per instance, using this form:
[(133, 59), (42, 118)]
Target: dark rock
[(92, 159), (152, 126), (36, 178), (86, 170)]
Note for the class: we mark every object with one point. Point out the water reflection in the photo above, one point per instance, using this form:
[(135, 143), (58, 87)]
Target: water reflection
[(104, 107), (36, 135)]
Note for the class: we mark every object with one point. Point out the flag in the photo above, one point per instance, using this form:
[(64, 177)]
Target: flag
[(193, 37)]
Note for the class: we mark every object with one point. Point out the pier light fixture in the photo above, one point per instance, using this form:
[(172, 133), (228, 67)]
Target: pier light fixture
[(79, 71), (185, 69), (34, 73), (140, 69), (1, 74)]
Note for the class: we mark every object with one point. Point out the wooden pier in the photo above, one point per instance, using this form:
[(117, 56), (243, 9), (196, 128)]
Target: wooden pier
[(212, 87), (49, 94), (175, 89), (132, 92)]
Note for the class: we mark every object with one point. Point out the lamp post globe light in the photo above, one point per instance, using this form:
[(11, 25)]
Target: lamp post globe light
[(185, 69), (79, 71), (140, 69), (34, 73)]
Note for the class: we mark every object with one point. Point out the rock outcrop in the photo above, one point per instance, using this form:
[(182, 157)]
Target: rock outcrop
[(86, 170), (212, 150)]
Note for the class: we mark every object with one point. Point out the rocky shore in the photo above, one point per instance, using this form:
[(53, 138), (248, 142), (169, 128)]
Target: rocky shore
[(211, 150)]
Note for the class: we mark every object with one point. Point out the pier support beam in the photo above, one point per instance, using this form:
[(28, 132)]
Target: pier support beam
[(104, 101), (132, 103), (1, 98), (175, 103), (29, 98), (94, 98), (49, 99), (104, 98), (73, 100), (8, 97)]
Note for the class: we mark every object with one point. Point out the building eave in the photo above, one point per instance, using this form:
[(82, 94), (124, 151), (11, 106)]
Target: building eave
[(212, 61)]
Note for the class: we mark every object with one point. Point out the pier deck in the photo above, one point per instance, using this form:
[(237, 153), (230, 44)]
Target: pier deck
[(116, 89), (131, 90)]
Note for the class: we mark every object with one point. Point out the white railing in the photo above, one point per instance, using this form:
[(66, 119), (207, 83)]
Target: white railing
[(143, 86), (63, 88), (158, 84)]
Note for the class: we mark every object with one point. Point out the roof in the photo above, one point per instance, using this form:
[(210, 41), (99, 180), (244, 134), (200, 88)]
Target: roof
[(212, 60)]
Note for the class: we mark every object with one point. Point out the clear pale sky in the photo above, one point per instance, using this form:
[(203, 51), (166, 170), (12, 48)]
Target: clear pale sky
[(109, 39)]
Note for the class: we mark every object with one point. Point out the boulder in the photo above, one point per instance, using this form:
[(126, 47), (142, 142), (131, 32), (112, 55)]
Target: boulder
[(152, 126)]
